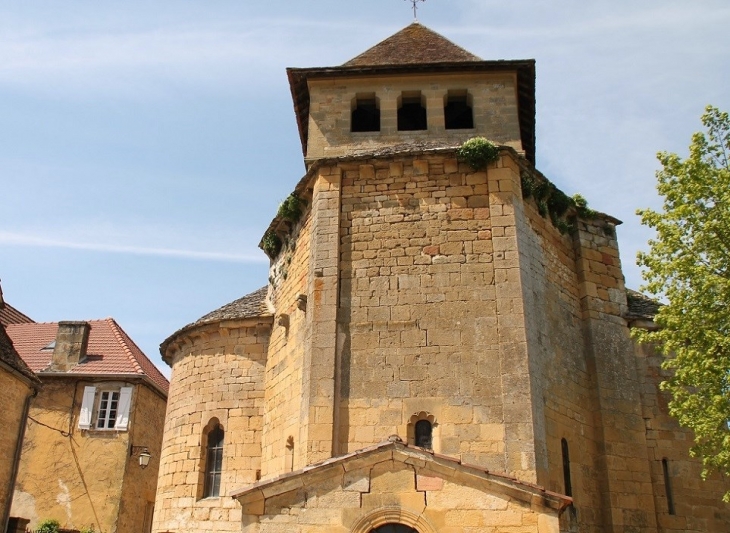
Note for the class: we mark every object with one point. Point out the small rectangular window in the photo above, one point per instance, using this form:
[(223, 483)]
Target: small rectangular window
[(107, 413)]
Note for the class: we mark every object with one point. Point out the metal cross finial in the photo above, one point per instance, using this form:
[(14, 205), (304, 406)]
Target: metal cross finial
[(415, 2)]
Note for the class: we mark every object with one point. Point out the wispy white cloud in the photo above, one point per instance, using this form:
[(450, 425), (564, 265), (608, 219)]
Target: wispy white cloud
[(125, 61), (24, 239)]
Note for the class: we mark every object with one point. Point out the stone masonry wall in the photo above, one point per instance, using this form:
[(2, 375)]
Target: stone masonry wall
[(626, 489), (431, 311), (559, 368), (218, 372), (697, 505), (13, 394), (493, 97), (360, 499), (289, 275)]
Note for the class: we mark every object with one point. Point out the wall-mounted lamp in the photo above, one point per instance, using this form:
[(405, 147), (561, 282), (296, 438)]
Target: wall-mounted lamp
[(143, 453)]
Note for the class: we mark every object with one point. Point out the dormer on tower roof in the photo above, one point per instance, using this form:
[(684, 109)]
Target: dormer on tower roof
[(419, 68)]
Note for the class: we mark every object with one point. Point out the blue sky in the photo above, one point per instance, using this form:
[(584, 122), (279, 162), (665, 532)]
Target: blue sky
[(145, 146)]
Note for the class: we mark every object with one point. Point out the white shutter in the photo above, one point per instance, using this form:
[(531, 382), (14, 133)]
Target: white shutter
[(125, 400), (87, 407)]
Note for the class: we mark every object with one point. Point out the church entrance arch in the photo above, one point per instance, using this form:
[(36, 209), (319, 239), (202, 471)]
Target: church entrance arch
[(393, 520), (393, 528)]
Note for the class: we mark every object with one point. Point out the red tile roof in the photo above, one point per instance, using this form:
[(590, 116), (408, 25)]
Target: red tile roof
[(10, 315), (9, 356), (110, 351)]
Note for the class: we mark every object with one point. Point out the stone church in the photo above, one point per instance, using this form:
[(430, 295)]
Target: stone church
[(438, 348)]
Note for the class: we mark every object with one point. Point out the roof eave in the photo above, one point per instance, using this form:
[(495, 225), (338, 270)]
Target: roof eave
[(291, 481), (115, 376), (164, 345)]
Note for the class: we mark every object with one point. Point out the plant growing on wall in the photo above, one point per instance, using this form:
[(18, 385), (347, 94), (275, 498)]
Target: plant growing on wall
[(271, 243), (291, 208), (554, 203), (478, 153), (49, 525)]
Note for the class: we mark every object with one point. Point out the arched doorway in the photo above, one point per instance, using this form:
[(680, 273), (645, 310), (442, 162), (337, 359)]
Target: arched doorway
[(393, 528)]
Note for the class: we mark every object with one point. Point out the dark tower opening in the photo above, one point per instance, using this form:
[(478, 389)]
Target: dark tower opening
[(411, 113), (458, 113), (365, 115)]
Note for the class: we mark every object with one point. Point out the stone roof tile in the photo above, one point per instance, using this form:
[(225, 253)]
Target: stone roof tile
[(411, 45), (641, 306), (252, 305)]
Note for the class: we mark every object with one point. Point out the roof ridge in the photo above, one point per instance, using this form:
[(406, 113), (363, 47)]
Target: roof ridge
[(117, 334)]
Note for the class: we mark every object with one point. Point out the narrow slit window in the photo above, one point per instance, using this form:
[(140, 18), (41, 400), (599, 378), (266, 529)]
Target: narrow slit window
[(411, 112), (424, 434), (365, 114), (214, 462), (668, 486), (566, 468), (458, 113)]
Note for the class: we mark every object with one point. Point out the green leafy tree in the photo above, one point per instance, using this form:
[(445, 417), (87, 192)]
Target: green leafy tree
[(688, 265)]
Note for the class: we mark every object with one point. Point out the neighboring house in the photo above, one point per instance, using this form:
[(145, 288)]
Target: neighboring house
[(102, 405), (18, 386), (438, 349)]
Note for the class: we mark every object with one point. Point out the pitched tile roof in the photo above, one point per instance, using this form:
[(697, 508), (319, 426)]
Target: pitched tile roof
[(10, 357), (110, 351), (10, 315), (252, 305), (413, 44)]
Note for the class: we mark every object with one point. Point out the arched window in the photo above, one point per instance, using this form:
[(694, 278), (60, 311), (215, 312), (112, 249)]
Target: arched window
[(566, 468), (365, 113), (213, 461), (420, 430), (424, 434), (457, 111), (393, 528), (411, 112)]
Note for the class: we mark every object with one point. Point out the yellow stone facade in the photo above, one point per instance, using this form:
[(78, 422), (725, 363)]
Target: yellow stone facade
[(86, 478), (414, 288), (16, 391)]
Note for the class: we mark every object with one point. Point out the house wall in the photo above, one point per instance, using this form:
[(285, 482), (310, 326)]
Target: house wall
[(147, 417), (13, 395), (218, 372), (72, 475), (494, 98)]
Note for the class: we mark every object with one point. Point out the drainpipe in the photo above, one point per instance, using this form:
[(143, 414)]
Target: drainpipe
[(16, 456)]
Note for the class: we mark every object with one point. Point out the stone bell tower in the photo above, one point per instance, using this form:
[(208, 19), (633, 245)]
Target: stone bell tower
[(415, 88)]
